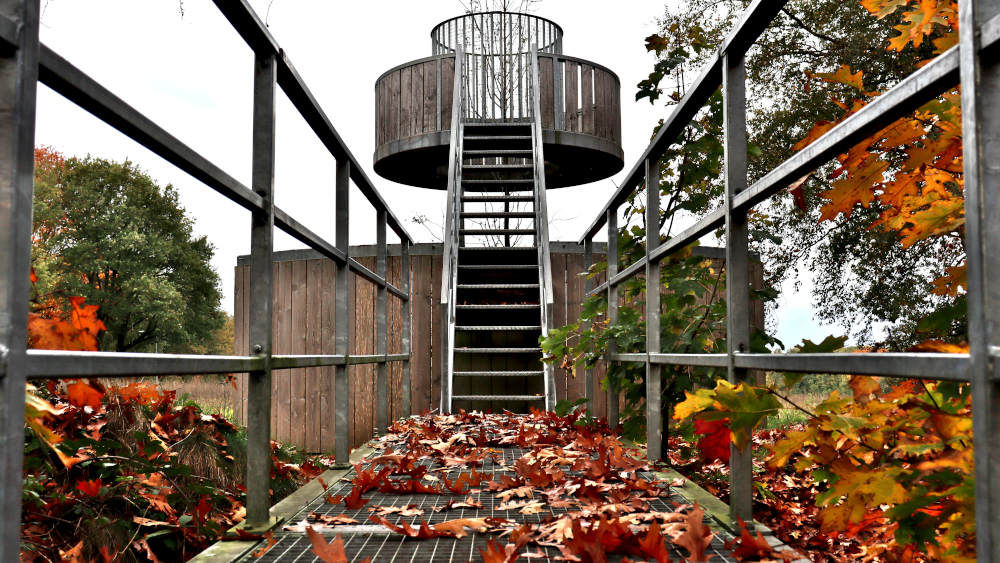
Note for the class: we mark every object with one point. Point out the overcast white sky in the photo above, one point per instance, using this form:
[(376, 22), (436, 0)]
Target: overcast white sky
[(192, 75)]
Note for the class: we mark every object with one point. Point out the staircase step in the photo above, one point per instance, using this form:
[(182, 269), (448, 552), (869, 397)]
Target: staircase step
[(476, 232), (506, 306), (493, 182), (498, 266), (496, 167), (497, 248), (480, 328), (491, 198), (499, 373), (498, 215), (501, 153), (498, 397), (498, 286), (498, 350), (488, 138)]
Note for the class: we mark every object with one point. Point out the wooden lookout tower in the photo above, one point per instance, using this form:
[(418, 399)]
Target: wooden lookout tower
[(496, 115)]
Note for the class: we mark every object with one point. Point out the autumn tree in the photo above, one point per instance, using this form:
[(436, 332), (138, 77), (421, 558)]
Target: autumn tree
[(862, 274), (105, 231)]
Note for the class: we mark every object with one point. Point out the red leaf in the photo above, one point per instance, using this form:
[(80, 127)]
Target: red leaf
[(90, 488), (653, 545), (354, 501), (715, 440)]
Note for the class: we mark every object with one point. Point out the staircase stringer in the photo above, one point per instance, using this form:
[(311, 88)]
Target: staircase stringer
[(453, 223), (545, 294)]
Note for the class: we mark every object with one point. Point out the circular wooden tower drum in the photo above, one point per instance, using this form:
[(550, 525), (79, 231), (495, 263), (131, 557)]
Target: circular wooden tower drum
[(580, 101)]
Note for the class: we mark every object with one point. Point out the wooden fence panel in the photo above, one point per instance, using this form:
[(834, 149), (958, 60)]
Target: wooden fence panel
[(304, 299)]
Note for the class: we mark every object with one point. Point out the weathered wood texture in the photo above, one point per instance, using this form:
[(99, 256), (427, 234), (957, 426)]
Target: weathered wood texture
[(416, 99), (304, 324)]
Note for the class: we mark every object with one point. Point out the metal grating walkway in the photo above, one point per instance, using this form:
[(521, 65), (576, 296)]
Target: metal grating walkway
[(365, 539)]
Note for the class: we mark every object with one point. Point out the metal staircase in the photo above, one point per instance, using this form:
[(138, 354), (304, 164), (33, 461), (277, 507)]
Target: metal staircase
[(496, 279)]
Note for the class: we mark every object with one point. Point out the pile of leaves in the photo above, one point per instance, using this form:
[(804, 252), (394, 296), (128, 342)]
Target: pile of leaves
[(126, 473), (890, 467), (784, 499), (129, 473), (575, 465)]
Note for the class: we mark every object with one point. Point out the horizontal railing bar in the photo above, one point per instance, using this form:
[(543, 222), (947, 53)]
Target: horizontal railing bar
[(715, 219), (70, 82), (941, 367), (755, 20), (253, 31), (580, 61), (376, 358), (635, 357), (623, 275), (301, 233), (305, 361), (10, 33), (599, 289), (945, 367), (397, 292), (304, 101), (60, 363), (364, 272), (698, 360)]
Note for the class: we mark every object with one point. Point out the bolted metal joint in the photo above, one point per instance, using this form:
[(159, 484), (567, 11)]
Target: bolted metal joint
[(258, 349)]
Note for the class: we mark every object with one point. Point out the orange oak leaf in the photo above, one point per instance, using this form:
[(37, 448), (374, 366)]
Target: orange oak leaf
[(332, 552), (696, 537), (84, 393)]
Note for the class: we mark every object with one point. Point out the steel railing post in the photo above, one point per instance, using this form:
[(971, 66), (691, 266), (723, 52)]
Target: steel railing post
[(381, 325), (654, 394), (258, 480), (981, 155), (342, 331), (18, 86), (406, 309), (612, 258), (737, 265)]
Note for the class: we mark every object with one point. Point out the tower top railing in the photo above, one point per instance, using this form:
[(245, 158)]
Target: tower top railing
[(497, 34)]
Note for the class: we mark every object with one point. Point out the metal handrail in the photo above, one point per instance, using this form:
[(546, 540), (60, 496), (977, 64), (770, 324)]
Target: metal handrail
[(25, 63), (546, 299), (449, 264), (467, 31), (966, 64)]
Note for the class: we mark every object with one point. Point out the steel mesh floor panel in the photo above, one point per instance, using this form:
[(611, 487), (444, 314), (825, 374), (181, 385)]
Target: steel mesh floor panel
[(296, 548), (364, 538)]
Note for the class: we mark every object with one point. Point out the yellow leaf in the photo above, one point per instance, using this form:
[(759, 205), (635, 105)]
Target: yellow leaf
[(843, 75), (858, 187), (955, 277)]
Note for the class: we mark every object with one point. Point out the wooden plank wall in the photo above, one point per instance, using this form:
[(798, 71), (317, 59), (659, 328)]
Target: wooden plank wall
[(406, 100), (304, 297)]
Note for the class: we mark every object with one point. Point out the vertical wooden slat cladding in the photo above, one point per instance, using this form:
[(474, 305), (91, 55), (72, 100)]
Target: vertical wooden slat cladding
[(420, 363), (575, 386), (559, 299), (430, 96), (405, 101), (435, 332), (447, 87), (313, 328), (298, 332), (587, 99), (392, 131), (416, 99), (571, 102), (326, 388), (546, 78)]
